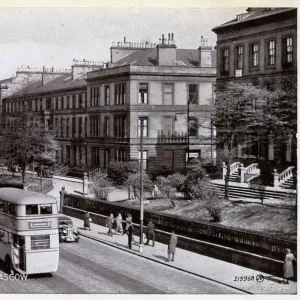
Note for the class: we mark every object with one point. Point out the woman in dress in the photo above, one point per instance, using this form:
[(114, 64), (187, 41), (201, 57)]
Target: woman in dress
[(288, 271)]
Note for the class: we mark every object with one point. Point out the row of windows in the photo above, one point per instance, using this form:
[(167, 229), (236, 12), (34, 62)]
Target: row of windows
[(43, 209), (119, 129), (58, 103), (254, 50), (143, 94), (70, 101)]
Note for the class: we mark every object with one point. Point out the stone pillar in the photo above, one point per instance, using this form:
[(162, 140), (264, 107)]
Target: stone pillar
[(63, 192), (71, 155), (240, 150), (85, 184), (224, 170), (242, 173), (288, 153), (276, 178), (77, 101)]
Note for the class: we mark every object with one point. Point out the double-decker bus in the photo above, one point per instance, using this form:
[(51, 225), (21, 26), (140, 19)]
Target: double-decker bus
[(29, 242)]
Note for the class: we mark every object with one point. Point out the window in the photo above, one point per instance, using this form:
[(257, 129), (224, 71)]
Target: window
[(168, 158), (62, 120), (68, 102), (95, 156), (144, 159), (56, 104), (106, 158), (287, 47), (80, 126), (167, 125), (94, 126), (192, 126), (1, 205), (167, 93), (193, 94), (85, 126), (120, 155), (40, 242), (271, 53), (68, 126), (46, 209), (7, 207), (119, 126), (225, 60), (106, 126), (56, 127), (95, 96), (143, 93), (74, 101), (106, 94), (120, 93), (73, 126), (48, 103), (80, 100), (239, 57), (32, 210), (143, 123), (254, 55)]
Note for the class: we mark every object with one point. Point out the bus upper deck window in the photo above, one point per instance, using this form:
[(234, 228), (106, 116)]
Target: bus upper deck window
[(11, 208), (1, 205), (32, 210), (46, 209)]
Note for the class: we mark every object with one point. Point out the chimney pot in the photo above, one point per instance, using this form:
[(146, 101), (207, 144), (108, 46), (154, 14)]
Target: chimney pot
[(172, 36), (169, 36), (124, 39)]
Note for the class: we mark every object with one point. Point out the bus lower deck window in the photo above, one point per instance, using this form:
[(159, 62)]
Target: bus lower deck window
[(32, 210), (46, 209)]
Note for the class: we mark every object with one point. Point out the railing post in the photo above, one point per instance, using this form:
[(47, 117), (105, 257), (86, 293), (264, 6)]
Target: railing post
[(61, 198), (224, 167), (276, 178), (242, 173), (85, 184)]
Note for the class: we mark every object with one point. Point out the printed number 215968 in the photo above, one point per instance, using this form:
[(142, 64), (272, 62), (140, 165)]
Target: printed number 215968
[(243, 278)]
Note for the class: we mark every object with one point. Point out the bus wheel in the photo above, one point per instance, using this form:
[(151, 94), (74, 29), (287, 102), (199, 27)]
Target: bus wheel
[(9, 265)]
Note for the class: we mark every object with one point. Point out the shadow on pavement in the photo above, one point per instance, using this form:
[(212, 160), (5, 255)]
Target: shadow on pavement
[(165, 259)]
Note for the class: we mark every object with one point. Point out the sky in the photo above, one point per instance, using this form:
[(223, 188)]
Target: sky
[(52, 37)]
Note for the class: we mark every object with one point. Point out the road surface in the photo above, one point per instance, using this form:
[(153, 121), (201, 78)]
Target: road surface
[(92, 267)]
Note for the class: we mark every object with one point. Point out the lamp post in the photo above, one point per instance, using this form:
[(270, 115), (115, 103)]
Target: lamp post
[(141, 186)]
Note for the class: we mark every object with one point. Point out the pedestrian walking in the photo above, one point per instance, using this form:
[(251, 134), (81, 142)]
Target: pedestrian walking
[(150, 233), (87, 221), (129, 232), (119, 227), (172, 246), (288, 270), (155, 191), (109, 224)]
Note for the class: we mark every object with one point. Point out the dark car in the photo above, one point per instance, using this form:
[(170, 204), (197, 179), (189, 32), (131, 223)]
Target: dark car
[(66, 230)]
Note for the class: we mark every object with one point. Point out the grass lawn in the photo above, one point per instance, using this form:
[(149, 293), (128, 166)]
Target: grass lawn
[(272, 221)]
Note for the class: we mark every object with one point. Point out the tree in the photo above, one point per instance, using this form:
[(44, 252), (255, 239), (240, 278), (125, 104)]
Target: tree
[(26, 139), (194, 172), (201, 191), (238, 116), (120, 171), (134, 181), (100, 186), (171, 184)]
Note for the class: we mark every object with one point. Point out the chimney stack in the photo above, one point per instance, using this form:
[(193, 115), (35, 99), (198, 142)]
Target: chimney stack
[(124, 39), (205, 53), (166, 52)]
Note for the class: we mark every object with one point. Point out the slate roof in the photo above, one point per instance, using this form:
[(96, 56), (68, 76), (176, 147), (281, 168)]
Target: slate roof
[(184, 57), (62, 82), (254, 15)]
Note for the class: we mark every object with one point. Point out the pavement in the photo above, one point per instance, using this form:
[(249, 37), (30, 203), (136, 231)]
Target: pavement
[(243, 279)]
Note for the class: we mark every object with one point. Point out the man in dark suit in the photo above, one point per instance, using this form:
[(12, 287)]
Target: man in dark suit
[(150, 233)]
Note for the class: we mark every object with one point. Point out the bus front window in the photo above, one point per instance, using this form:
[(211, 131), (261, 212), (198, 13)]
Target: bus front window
[(46, 209), (32, 210)]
